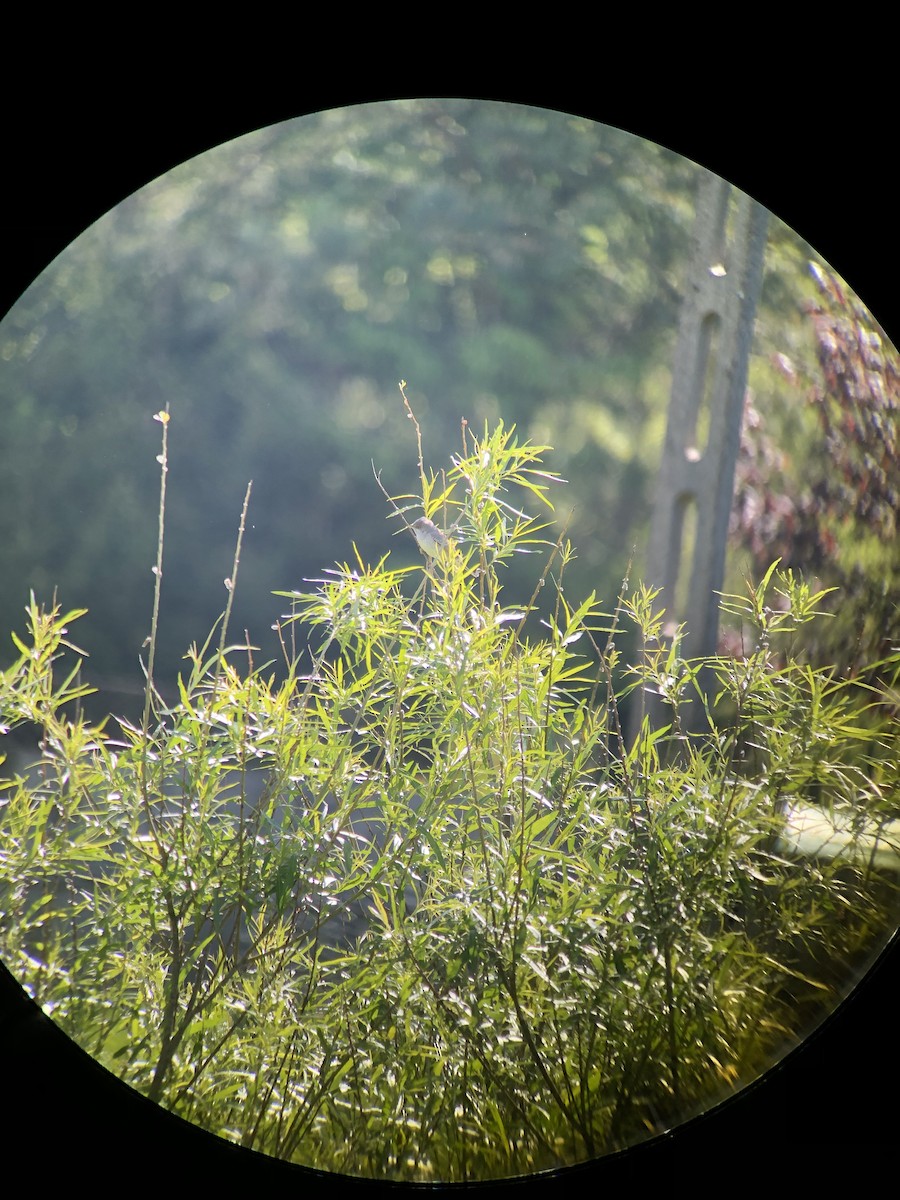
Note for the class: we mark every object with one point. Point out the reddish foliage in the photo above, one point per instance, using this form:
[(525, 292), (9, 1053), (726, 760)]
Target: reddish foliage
[(855, 480)]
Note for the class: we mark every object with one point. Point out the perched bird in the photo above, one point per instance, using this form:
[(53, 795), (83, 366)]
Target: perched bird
[(432, 541)]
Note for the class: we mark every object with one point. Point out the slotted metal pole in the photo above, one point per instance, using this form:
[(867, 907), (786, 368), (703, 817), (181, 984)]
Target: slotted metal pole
[(709, 380)]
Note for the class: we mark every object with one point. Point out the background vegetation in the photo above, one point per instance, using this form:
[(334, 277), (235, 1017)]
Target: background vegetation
[(507, 261)]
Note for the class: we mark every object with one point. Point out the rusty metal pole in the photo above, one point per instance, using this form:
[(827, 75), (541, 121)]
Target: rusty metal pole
[(709, 380)]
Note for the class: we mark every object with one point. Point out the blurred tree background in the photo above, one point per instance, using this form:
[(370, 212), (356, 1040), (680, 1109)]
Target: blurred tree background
[(509, 262)]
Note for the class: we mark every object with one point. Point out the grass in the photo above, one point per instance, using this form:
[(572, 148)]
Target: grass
[(414, 907)]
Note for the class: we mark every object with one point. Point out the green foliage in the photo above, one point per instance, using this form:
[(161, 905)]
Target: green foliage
[(416, 909), (509, 261)]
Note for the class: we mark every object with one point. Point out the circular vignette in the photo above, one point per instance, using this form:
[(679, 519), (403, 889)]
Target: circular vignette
[(864, 1001)]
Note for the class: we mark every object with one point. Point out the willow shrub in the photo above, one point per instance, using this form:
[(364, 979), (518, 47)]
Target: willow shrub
[(419, 910)]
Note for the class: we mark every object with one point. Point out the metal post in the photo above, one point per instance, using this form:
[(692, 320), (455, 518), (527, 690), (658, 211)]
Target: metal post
[(709, 380)]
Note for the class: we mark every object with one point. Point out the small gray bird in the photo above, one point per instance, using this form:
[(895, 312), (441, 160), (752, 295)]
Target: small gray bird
[(432, 541)]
